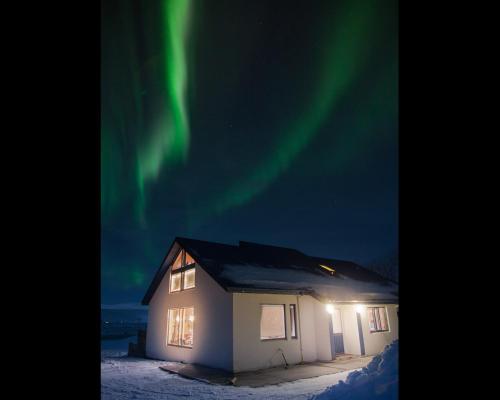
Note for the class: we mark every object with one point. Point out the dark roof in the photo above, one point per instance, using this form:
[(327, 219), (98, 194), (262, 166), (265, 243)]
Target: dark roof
[(253, 267)]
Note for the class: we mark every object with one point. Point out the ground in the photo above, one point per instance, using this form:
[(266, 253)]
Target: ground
[(134, 378), (124, 378)]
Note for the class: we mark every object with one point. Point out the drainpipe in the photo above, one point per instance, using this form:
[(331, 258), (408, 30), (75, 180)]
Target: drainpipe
[(300, 329)]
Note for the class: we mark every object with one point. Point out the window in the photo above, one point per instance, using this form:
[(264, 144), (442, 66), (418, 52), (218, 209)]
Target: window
[(180, 327), (293, 321), (378, 319), (178, 261), (189, 260), (175, 282), (189, 278), (183, 272), (272, 322)]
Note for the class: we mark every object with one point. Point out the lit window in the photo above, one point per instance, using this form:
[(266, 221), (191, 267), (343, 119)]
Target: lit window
[(293, 321), (175, 282), (329, 269), (272, 322), (182, 275), (178, 261), (187, 327), (378, 319), (189, 259), (180, 327), (173, 326), (189, 278)]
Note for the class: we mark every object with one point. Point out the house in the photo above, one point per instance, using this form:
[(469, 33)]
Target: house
[(254, 306)]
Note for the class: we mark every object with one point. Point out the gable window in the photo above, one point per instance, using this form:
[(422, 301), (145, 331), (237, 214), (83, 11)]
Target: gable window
[(180, 327), (189, 278), (182, 275), (175, 282), (378, 319), (272, 322), (293, 322)]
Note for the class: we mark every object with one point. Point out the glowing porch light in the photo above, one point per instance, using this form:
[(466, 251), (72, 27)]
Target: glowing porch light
[(191, 318), (329, 308), (359, 308)]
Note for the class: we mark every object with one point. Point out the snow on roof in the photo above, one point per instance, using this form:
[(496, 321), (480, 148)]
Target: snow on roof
[(252, 267)]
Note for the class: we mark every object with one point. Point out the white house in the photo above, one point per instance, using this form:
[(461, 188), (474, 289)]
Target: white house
[(253, 306)]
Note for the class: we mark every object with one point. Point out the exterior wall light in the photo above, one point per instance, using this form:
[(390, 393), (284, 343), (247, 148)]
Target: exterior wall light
[(329, 308), (359, 308)]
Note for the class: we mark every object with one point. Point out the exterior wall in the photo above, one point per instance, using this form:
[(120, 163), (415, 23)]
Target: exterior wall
[(307, 328), (252, 353), (374, 342), (213, 323)]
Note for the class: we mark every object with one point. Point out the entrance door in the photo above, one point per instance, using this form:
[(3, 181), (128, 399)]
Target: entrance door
[(338, 337)]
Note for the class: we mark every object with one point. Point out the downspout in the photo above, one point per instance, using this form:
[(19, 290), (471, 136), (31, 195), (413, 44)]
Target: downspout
[(300, 329)]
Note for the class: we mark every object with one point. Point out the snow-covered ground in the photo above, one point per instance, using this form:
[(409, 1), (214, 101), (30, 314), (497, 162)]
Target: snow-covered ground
[(124, 378), (135, 378), (379, 380)]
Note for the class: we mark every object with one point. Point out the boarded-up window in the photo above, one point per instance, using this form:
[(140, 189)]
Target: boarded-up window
[(377, 318), (180, 326), (272, 321), (293, 321)]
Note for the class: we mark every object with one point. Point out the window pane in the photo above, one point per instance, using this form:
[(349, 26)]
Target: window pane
[(371, 317), (293, 323), (272, 322), (383, 319), (175, 282), (178, 261), (173, 326), (189, 259), (187, 327), (377, 318), (189, 278)]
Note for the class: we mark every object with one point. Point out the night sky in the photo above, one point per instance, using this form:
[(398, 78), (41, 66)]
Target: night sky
[(266, 121)]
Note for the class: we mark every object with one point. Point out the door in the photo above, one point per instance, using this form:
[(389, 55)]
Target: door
[(338, 337)]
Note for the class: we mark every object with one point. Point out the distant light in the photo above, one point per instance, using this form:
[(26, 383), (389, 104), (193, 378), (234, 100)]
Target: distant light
[(329, 308), (359, 308), (191, 318)]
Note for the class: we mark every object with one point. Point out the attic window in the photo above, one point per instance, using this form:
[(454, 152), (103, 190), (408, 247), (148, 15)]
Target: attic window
[(329, 269), (182, 275)]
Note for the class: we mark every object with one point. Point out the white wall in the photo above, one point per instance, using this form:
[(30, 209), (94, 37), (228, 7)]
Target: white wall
[(307, 328), (252, 353), (213, 324), (374, 342)]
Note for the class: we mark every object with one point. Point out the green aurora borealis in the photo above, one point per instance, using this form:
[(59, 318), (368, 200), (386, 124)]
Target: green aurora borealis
[(221, 119)]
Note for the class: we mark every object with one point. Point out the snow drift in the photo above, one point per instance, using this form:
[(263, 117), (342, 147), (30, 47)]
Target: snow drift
[(378, 380)]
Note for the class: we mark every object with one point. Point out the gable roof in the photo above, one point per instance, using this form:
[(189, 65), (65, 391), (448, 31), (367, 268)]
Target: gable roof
[(253, 267)]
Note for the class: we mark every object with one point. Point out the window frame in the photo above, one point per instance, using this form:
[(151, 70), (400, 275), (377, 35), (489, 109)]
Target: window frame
[(293, 322), (284, 322), (181, 326), (181, 271), (377, 320)]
